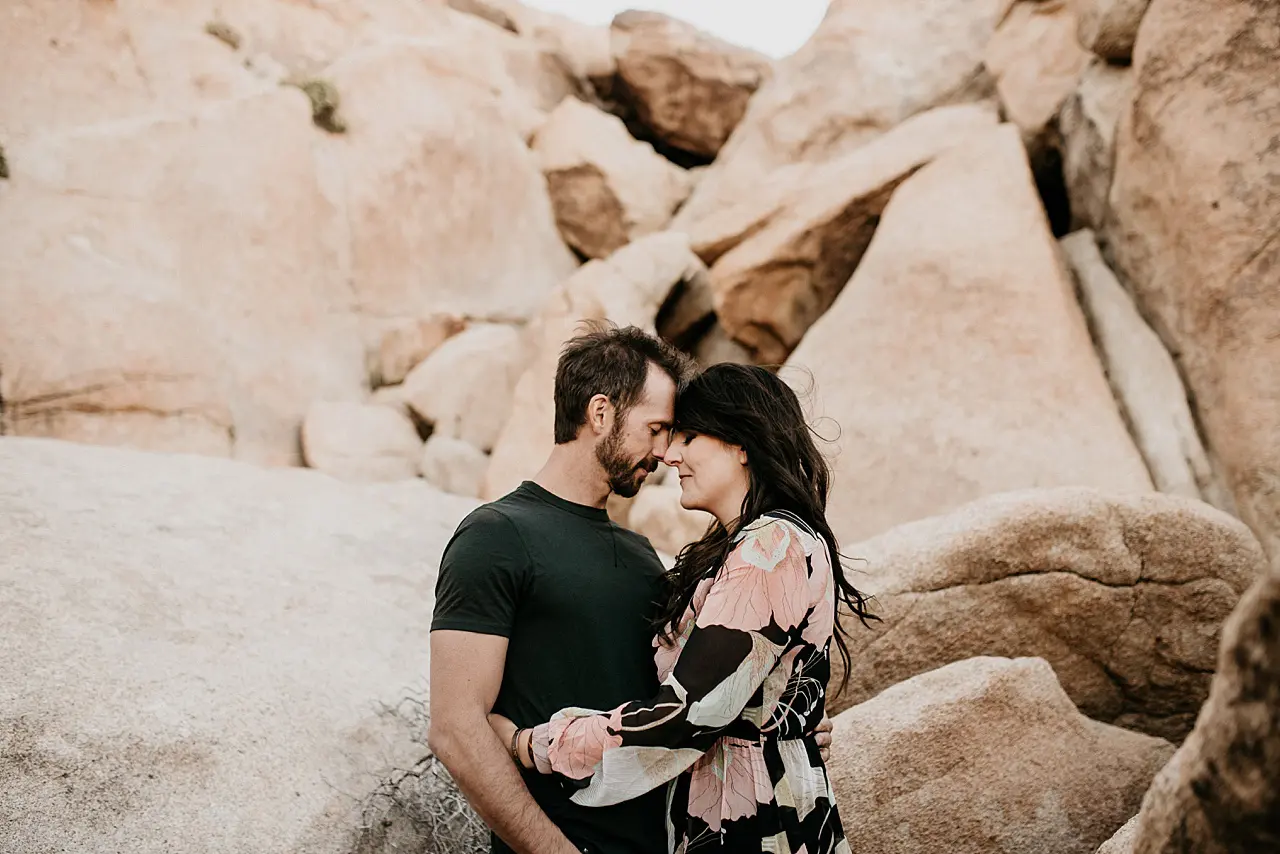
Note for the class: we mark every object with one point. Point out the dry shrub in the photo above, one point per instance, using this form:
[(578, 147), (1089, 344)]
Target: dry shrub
[(419, 810)]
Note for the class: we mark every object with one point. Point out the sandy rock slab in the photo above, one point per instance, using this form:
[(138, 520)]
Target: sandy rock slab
[(198, 652), (1194, 225), (1123, 595), (956, 361), (1221, 793), (983, 755), (687, 88)]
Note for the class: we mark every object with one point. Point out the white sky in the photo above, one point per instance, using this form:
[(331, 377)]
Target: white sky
[(774, 27)]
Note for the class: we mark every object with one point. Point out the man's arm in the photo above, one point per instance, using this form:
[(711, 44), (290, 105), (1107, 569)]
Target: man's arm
[(466, 672)]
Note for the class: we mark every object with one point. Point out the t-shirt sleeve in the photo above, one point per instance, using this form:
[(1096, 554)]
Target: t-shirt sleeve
[(483, 572)]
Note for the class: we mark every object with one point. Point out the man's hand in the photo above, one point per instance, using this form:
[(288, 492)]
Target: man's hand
[(822, 735), (466, 672)]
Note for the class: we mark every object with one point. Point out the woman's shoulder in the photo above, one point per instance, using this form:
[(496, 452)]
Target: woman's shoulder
[(776, 524)]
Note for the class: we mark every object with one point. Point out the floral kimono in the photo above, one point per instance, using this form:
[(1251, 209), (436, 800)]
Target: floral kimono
[(744, 682)]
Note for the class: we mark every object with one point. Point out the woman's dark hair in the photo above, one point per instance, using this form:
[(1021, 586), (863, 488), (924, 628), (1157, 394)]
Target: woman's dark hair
[(750, 407)]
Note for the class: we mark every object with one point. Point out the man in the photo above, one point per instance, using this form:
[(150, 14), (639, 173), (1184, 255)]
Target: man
[(543, 603)]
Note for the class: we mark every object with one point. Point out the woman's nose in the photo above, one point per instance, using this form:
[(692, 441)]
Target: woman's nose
[(671, 456)]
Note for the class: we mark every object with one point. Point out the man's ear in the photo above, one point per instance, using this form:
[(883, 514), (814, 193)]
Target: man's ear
[(600, 414)]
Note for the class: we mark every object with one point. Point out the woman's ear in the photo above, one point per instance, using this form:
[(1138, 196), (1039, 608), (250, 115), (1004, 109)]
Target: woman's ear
[(742, 456)]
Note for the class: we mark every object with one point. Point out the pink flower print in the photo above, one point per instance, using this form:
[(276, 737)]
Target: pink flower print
[(764, 579), (578, 744), (665, 655), (727, 784)]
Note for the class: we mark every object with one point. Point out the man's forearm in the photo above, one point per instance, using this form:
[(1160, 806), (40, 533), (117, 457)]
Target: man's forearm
[(487, 776)]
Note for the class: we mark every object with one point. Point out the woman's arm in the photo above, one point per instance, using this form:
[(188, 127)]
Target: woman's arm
[(757, 598)]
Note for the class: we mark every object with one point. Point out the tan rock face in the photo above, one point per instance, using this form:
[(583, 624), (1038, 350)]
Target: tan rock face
[(1122, 595), (688, 88), (1194, 214), (984, 755), (606, 187), (229, 644), (956, 362), (1087, 128), (627, 288), (1221, 792), (1110, 27), (219, 262), (795, 246), (464, 388), (360, 441), (656, 513), (453, 465), (75, 64), (1145, 380), (1036, 61), (869, 66), (407, 343), (420, 244), (1122, 842), (245, 278)]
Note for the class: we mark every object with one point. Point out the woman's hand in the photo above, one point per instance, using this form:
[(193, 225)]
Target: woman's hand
[(505, 729), (821, 735)]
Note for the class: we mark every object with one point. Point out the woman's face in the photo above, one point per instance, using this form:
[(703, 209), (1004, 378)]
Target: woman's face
[(713, 474)]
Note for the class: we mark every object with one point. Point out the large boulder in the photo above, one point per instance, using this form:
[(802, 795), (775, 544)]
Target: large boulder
[(687, 88), (1221, 793), (1123, 595), (1145, 380), (428, 169), (657, 514), (177, 282), (360, 441), (1194, 221), (71, 64), (1109, 27), (405, 344), (607, 188), (869, 66), (984, 755), (1036, 61), (1087, 132), (957, 362), (201, 655), (463, 389), (1122, 841), (247, 258), (627, 288), (453, 465), (780, 259)]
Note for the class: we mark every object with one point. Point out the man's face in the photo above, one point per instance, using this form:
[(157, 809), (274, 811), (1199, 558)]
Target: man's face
[(635, 445)]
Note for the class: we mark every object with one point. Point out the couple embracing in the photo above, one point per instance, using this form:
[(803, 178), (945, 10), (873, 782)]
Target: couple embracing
[(587, 700)]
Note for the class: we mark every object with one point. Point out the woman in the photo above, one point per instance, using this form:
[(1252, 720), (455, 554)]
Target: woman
[(742, 646)]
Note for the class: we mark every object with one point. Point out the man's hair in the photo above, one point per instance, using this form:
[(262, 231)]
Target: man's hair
[(612, 361)]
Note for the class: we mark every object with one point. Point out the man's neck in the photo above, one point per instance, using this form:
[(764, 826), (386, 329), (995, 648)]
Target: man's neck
[(573, 474)]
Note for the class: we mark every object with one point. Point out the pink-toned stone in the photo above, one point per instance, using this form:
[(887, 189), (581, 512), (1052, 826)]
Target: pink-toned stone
[(688, 88), (957, 362), (1194, 225)]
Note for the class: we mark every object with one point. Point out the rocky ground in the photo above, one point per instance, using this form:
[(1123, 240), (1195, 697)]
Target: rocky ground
[(1021, 256)]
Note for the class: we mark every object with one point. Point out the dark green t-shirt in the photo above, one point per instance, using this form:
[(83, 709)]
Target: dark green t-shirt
[(575, 595)]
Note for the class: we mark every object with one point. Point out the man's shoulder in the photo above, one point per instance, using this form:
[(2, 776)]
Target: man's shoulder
[(639, 544)]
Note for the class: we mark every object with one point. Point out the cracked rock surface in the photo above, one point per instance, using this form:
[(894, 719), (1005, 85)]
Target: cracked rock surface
[(1123, 595), (985, 755), (198, 652)]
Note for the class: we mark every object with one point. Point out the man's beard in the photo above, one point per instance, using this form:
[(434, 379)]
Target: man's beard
[(626, 476)]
